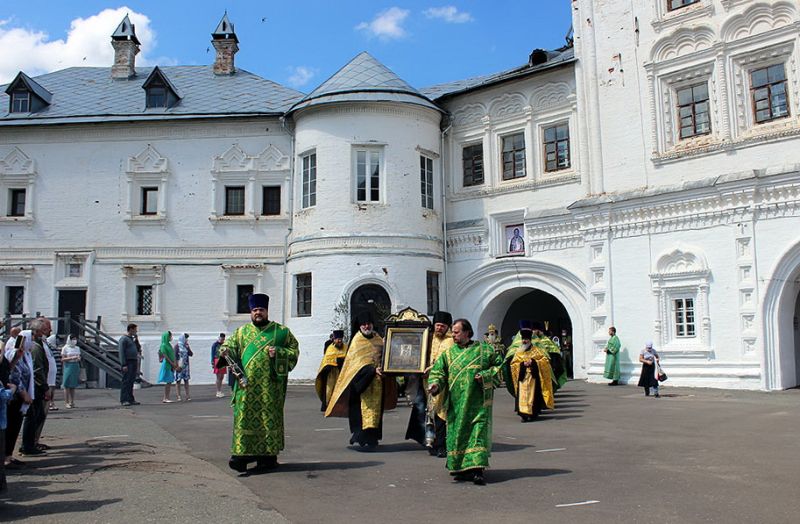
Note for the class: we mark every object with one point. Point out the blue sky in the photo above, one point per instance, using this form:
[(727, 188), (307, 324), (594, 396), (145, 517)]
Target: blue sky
[(298, 44)]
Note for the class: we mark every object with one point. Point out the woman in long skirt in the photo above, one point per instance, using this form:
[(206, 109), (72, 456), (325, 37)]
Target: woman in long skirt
[(169, 364), (71, 360), (183, 352), (648, 379)]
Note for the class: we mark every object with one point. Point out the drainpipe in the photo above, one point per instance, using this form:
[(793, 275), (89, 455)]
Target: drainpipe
[(444, 212), (290, 209)]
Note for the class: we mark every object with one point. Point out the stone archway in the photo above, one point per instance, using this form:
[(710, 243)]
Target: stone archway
[(487, 294), (374, 299), (781, 313)]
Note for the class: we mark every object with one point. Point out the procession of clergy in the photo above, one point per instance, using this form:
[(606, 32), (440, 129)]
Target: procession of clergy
[(451, 411)]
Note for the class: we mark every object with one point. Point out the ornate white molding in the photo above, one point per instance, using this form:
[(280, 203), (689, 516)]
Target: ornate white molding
[(508, 105), (552, 95), (461, 242), (16, 162), (560, 232), (758, 18), (407, 245), (470, 114), (147, 161), (545, 180), (683, 41), (665, 18)]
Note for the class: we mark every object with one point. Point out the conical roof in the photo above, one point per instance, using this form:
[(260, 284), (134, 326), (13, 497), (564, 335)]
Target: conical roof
[(225, 30), (125, 31), (364, 79)]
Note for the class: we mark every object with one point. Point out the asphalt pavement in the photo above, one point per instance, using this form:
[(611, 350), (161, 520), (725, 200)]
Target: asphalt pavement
[(605, 454)]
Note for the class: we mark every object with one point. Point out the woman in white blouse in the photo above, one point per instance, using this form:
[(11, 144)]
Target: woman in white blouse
[(71, 360)]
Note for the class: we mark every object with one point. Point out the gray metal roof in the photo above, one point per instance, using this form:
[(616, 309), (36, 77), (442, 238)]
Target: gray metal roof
[(555, 58), (89, 94), (364, 79), (30, 84)]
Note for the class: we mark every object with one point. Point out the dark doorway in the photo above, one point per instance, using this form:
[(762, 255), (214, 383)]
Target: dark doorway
[(74, 302), (545, 308), (372, 298)]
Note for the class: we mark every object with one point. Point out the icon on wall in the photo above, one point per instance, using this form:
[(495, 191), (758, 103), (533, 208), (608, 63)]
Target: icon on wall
[(514, 239)]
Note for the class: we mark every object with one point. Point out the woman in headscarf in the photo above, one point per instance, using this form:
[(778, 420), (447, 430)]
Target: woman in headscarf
[(71, 360), (168, 364), (648, 379), (183, 352)]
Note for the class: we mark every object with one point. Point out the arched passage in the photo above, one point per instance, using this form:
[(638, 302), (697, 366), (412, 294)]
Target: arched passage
[(488, 293), (536, 305), (781, 361), (374, 299)]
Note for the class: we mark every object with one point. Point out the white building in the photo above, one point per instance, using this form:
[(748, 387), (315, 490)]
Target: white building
[(651, 171)]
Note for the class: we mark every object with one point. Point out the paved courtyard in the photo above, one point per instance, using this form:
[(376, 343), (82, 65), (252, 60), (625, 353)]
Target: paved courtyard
[(606, 454)]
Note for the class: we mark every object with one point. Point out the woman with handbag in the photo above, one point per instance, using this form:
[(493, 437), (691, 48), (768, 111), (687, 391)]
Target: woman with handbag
[(649, 378), (169, 365)]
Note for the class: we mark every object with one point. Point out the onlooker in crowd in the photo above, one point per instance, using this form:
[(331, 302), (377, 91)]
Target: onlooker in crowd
[(129, 362), (649, 379), (49, 345), (220, 372), (7, 390), (37, 413), (612, 357), (22, 377), (168, 364), (71, 364), (183, 351)]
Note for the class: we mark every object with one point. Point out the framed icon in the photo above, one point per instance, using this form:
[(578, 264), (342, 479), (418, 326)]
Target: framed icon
[(406, 349), (515, 241)]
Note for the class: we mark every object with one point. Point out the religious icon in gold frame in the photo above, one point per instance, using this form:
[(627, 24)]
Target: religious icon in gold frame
[(406, 349)]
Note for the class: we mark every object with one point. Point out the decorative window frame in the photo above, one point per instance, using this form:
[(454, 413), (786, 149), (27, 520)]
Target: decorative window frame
[(236, 167), (457, 181), (682, 273), (142, 275), (743, 125), (147, 169), (433, 158), (565, 116), (17, 276), (300, 159), (61, 278), (380, 147), (239, 274), (497, 232), (295, 303), (666, 19), (17, 171), (667, 117), (500, 132)]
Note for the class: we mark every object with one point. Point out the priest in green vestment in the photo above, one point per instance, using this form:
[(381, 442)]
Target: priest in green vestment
[(612, 357), (467, 373), (266, 352)]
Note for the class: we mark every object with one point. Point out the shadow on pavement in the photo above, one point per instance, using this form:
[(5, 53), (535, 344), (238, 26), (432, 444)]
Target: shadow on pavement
[(500, 447), (9, 512), (288, 467), (496, 476)]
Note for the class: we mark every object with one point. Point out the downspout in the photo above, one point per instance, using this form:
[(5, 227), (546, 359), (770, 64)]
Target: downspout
[(444, 212), (290, 208)]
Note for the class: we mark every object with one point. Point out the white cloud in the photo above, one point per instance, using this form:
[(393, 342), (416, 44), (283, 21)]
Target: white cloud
[(301, 75), (88, 43), (387, 25), (449, 14)]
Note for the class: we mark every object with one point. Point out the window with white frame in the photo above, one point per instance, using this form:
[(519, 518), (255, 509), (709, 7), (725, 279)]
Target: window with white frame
[(768, 92), (472, 162), (426, 181), (693, 110), (240, 281), (308, 190), (15, 300), (247, 188), (303, 295), (677, 4), (683, 314), (680, 284), (17, 175), (147, 177), (513, 156), (368, 162), (20, 101), (143, 292), (432, 285), (556, 147)]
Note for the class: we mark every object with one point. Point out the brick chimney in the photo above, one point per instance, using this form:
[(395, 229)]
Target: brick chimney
[(126, 47), (226, 44)]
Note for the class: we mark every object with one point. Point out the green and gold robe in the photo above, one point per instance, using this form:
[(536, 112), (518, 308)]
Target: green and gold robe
[(556, 360), (468, 402), (328, 373), (612, 358), (258, 409)]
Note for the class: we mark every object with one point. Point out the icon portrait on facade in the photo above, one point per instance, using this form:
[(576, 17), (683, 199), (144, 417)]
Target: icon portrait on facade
[(514, 240)]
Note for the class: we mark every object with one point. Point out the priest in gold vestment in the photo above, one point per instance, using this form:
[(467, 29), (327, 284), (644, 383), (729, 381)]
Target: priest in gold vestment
[(436, 423), (329, 368), (362, 393), (528, 375)]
